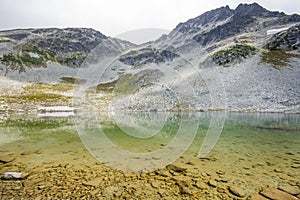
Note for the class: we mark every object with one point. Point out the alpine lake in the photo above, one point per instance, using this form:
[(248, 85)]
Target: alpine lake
[(148, 155)]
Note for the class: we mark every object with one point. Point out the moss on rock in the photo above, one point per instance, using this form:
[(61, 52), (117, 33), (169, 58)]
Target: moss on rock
[(233, 53), (278, 58)]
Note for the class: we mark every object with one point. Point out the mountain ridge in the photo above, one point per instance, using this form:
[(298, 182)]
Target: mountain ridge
[(222, 59), (228, 22)]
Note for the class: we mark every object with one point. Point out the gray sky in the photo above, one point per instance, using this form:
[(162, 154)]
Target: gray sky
[(113, 17)]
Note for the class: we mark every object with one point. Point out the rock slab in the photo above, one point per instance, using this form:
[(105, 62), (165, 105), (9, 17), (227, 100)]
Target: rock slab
[(276, 194), (293, 190), (237, 191)]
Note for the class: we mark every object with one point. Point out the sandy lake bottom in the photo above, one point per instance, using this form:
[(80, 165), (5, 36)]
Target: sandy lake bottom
[(151, 155)]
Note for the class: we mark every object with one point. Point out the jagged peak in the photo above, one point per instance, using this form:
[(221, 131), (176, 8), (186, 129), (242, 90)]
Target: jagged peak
[(243, 10), (251, 6), (217, 14), (254, 9)]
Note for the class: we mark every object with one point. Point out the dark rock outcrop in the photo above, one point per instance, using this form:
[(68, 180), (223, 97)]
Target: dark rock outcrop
[(62, 41), (241, 18), (69, 46), (285, 40), (147, 55)]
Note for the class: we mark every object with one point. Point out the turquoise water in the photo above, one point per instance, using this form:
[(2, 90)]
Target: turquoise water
[(258, 148)]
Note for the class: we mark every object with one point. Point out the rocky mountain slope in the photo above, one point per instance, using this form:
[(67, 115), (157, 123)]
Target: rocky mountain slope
[(243, 59), (246, 59), (44, 55)]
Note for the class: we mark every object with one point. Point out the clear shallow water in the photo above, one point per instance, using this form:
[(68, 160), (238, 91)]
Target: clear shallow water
[(256, 149)]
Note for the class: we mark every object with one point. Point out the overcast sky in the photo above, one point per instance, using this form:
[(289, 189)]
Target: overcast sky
[(113, 17)]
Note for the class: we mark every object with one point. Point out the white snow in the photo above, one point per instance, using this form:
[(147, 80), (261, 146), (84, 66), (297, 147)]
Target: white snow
[(55, 109), (56, 114), (274, 31)]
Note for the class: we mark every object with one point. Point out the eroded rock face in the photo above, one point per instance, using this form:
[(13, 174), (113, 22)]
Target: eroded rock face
[(238, 22), (286, 40)]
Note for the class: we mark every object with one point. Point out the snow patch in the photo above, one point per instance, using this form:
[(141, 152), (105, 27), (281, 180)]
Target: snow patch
[(55, 109), (274, 31), (56, 114)]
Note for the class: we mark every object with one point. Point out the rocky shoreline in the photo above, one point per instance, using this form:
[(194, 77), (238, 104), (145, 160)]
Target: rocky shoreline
[(67, 181)]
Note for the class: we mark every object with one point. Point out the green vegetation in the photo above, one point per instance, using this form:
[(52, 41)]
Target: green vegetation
[(72, 80), (2, 39), (129, 83), (38, 97), (278, 58), (10, 59), (40, 94), (36, 61), (33, 48), (32, 55), (29, 55), (19, 61), (107, 87), (237, 52), (34, 123), (124, 85), (72, 60), (40, 87)]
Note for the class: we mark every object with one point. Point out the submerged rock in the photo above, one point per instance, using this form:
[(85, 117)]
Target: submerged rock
[(6, 159), (257, 197), (274, 193), (155, 184), (237, 191), (182, 180), (293, 190), (185, 190), (212, 182), (201, 185)]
